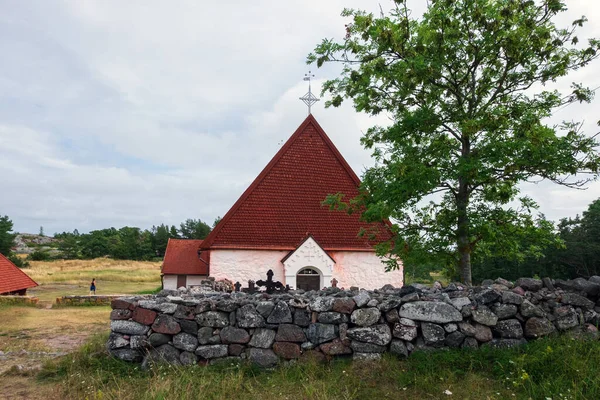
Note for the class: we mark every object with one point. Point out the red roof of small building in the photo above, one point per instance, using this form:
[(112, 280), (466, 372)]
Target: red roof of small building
[(181, 258), (12, 279), (284, 203)]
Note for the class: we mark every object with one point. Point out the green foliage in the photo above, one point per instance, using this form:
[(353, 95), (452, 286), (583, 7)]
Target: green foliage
[(463, 86), (40, 255), (18, 261), (7, 238), (194, 229), (557, 367)]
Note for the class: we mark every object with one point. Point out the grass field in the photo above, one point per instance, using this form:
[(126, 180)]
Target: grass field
[(73, 277)]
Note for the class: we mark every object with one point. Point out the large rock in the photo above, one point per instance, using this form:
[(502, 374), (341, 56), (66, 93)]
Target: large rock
[(590, 288), (484, 316), (455, 339), (212, 351), (466, 328), (378, 334), (265, 308), (528, 310), (301, 317), (188, 358), (566, 318), (335, 348), (248, 317), (321, 333), (164, 354), (406, 329), (505, 311), (231, 335), (321, 303), (190, 327), (263, 338), (509, 329), (158, 339), (511, 298), (332, 317), (262, 357), (361, 347), (483, 333), (287, 350), (227, 305), (281, 314), (398, 348), (505, 343), (362, 298), (577, 301), (344, 305), (166, 324), (537, 327), (487, 296), (128, 327), (204, 334), (116, 341), (365, 316), (429, 311), (389, 304), (289, 333), (185, 341), (126, 354), (184, 312), (433, 334), (120, 314), (531, 284), (213, 319), (460, 302)]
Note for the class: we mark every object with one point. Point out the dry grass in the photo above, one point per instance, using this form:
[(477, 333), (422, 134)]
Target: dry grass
[(73, 277)]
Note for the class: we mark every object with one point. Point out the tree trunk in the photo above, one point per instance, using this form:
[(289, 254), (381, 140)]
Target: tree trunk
[(462, 231)]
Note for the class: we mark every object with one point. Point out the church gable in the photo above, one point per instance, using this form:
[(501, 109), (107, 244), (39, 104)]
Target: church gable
[(283, 204)]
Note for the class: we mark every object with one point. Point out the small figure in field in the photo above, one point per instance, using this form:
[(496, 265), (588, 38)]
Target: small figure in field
[(93, 287)]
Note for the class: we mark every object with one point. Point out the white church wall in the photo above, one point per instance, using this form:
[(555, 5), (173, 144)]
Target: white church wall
[(170, 282), (243, 265), (362, 269)]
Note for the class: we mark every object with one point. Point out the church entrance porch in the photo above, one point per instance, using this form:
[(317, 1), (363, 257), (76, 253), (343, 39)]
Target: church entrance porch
[(308, 279)]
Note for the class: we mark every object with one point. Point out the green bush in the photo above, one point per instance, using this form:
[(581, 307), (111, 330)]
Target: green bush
[(40, 255)]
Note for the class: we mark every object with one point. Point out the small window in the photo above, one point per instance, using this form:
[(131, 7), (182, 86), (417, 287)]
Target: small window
[(308, 271)]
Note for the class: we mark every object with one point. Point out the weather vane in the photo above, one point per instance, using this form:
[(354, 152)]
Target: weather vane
[(309, 99)]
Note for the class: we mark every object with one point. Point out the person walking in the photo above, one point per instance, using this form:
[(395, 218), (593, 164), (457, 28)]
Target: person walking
[(93, 287)]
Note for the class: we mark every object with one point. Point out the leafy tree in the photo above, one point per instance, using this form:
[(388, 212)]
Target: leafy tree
[(464, 88), (68, 245), (194, 229), (7, 239), (173, 234), (216, 221), (161, 238)]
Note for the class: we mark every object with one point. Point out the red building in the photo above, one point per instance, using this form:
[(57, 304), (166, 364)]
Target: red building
[(13, 281)]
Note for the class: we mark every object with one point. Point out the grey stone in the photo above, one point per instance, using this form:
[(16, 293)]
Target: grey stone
[(410, 297), (511, 298), (212, 351), (451, 327), (227, 305), (486, 296), (320, 304), (505, 311), (360, 347), (460, 302), (470, 343), (484, 316), (116, 341), (214, 339), (466, 328), (392, 316), (301, 317), (185, 341), (509, 329), (213, 319), (378, 334), (247, 317), (158, 339), (263, 357), (125, 354), (405, 332), (332, 317), (455, 339), (433, 334), (429, 311), (483, 333), (307, 346), (204, 334), (188, 358), (373, 303), (164, 354), (262, 338), (566, 318), (537, 327), (265, 308), (235, 349), (190, 327), (590, 288), (362, 298), (531, 284), (365, 316), (389, 304), (320, 333), (577, 301), (398, 348), (530, 310), (138, 341), (548, 283), (281, 314), (128, 327), (231, 335), (290, 333)]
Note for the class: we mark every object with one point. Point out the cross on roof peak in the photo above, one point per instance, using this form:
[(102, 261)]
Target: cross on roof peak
[(309, 99)]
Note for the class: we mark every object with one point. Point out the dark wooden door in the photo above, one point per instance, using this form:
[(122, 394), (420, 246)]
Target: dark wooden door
[(308, 282), (181, 281)]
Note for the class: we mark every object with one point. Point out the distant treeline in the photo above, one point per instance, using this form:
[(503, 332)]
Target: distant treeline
[(127, 243)]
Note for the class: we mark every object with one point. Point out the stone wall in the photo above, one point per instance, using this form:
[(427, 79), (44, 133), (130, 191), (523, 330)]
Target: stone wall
[(86, 300), (187, 327), (26, 300)]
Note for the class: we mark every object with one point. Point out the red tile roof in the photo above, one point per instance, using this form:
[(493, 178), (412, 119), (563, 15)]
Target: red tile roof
[(283, 204), (12, 279), (181, 258)]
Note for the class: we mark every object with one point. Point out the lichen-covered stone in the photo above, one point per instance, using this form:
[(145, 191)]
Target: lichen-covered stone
[(332, 317), (212, 351), (213, 319), (281, 314), (116, 341), (362, 298), (509, 329), (343, 305), (429, 311), (537, 327), (262, 357), (566, 318), (484, 316), (263, 338), (433, 334), (128, 327), (378, 334), (531, 284), (289, 333), (365, 316), (230, 335), (398, 348), (248, 317), (265, 308), (164, 354), (166, 324), (120, 314), (321, 333), (321, 303)]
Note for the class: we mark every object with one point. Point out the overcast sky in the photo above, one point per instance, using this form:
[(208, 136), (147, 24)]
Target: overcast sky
[(137, 113)]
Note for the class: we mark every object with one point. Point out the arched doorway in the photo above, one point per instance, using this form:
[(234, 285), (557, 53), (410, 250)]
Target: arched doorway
[(308, 279)]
